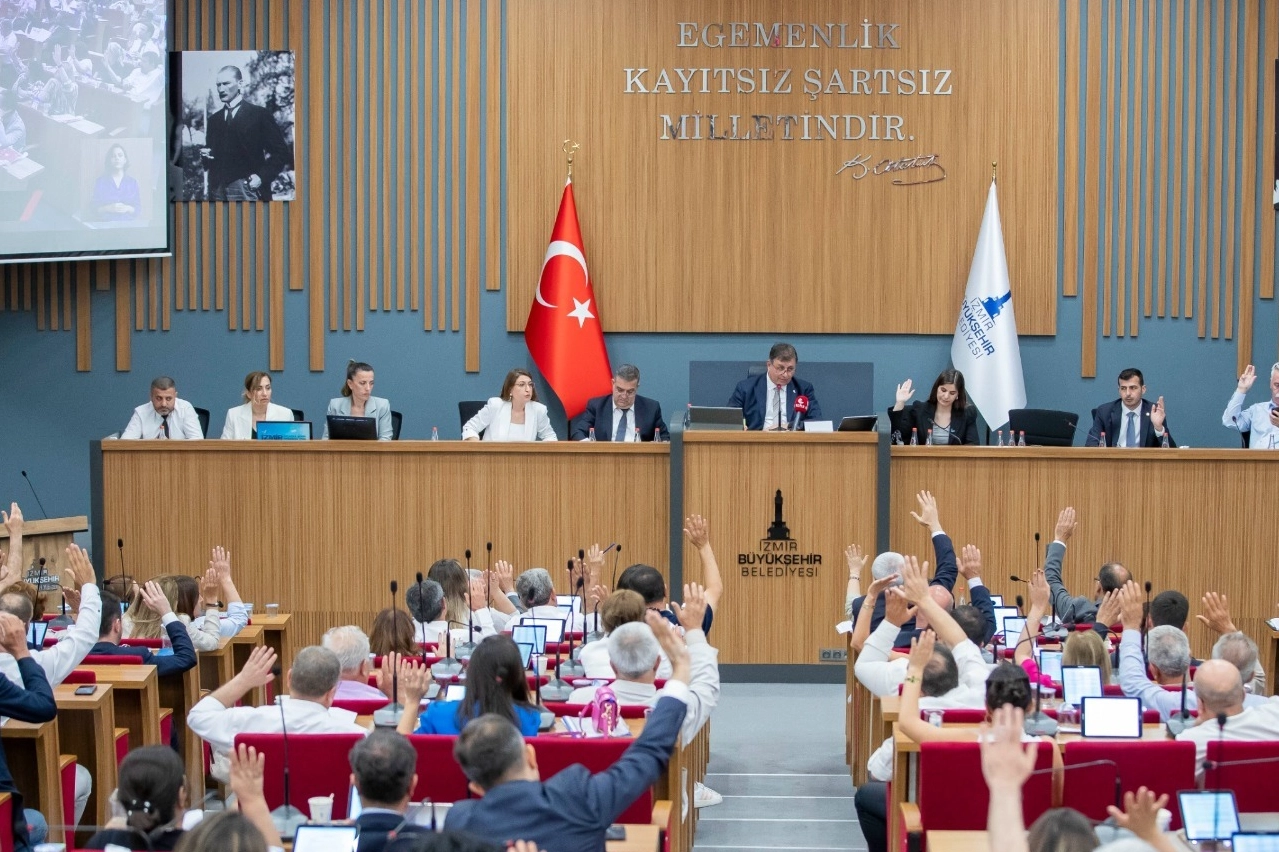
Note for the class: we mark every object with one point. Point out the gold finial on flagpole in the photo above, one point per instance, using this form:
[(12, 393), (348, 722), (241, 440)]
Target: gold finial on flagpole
[(994, 167), (570, 148)]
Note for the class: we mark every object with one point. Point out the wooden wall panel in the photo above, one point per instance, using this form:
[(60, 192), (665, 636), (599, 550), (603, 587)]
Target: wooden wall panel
[(394, 532), (998, 500), (821, 477)]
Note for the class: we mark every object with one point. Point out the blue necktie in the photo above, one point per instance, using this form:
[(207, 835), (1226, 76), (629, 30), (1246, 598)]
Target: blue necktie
[(619, 434), (1130, 435)]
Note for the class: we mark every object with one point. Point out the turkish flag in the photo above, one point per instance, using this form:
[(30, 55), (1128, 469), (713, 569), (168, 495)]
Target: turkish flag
[(563, 331)]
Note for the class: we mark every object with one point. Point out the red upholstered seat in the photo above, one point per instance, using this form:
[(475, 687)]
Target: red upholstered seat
[(945, 767), (557, 753), (68, 802), (1250, 781), (439, 778), (111, 660), (81, 676), (6, 819), (153, 644), (317, 764), (361, 706), (1161, 766), (563, 708)]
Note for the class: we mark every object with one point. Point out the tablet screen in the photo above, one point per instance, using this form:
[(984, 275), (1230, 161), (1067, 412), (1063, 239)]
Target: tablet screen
[(325, 838), (526, 652), (36, 631), (1050, 664), (1208, 815), (1115, 717), (531, 634), (1002, 612), (1255, 842), (1012, 627), (1078, 682)]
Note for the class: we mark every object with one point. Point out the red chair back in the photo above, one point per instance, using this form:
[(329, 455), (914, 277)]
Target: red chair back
[(1161, 766), (563, 708), (361, 706), (439, 778), (6, 819), (947, 767), (111, 660), (318, 766), (1251, 781), (81, 676), (153, 644), (555, 754)]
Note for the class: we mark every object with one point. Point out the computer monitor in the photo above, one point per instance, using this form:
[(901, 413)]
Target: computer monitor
[(1112, 717), (1012, 627), (859, 423), (1044, 427), (1208, 814), (707, 417), (344, 428), (1255, 841), (36, 631), (285, 430), (1002, 612), (997, 600), (1080, 682)]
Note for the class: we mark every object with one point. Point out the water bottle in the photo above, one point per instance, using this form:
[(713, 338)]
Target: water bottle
[(1000, 441), (1066, 715), (1101, 442), (928, 439), (435, 433), (1021, 438), (934, 718), (914, 436), (591, 435), (166, 646), (1163, 440)]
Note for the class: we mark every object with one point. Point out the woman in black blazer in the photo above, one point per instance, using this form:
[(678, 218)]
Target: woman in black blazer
[(948, 413)]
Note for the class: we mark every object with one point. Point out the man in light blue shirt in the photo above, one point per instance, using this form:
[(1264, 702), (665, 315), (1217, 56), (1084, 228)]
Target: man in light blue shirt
[(1260, 420)]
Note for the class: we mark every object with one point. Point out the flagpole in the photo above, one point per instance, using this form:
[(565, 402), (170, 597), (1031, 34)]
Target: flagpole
[(570, 148)]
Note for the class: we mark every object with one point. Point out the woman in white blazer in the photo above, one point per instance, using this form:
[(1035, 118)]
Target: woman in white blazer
[(357, 400), (242, 421), (514, 416)]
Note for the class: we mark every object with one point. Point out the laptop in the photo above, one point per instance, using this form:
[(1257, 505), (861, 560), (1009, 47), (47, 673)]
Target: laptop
[(997, 600), (860, 423), (1002, 612), (345, 428), (1254, 841), (326, 838), (533, 635), (455, 692), (1208, 815), (1111, 717), (285, 430), (708, 418), (1080, 682), (1050, 664), (1011, 627), (1044, 427)]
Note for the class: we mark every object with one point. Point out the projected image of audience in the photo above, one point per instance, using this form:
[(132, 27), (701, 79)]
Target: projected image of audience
[(82, 127)]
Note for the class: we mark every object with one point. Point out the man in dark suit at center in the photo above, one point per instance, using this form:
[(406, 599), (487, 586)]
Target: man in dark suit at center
[(767, 401), (245, 149), (617, 416), (383, 770), (1130, 421)]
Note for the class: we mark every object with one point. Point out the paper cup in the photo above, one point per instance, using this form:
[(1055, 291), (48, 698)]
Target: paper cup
[(1163, 820), (321, 808)]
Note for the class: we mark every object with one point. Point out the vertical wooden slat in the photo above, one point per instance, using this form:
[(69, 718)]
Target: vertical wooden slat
[(1091, 109), (195, 223), (1108, 96), (492, 152), (456, 246), (418, 152), (1186, 225), (1247, 202), (350, 194), (1266, 250), (1203, 193), (39, 287), (227, 285), (261, 228), (137, 271), (84, 324), (26, 286), (6, 292), (67, 274), (48, 280), (305, 146), (1217, 163), (152, 270), (1161, 270), (470, 191), (166, 293), (1122, 175), (389, 248), (180, 214), (405, 152), (102, 275), (248, 224), (1149, 91), (314, 206), (442, 36), (1230, 188), (123, 338), (335, 274), (364, 278), (275, 325)]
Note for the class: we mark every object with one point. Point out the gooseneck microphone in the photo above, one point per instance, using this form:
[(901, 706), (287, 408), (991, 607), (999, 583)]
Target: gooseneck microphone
[(286, 817), (34, 494), (1145, 618), (1180, 720), (488, 577), (571, 667), (617, 554), (1216, 800), (389, 715)]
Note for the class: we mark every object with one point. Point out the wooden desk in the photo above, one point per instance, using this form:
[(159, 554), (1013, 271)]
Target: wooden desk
[(136, 694), (639, 838), (217, 667), (86, 728), (797, 576), (179, 693), (275, 634), (1198, 508), (340, 493), (242, 645), (32, 751)]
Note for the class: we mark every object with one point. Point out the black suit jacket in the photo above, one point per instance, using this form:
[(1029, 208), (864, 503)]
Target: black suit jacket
[(34, 703), (183, 651), (1109, 418), (599, 415), (249, 144), (375, 830), (751, 396), (919, 415)]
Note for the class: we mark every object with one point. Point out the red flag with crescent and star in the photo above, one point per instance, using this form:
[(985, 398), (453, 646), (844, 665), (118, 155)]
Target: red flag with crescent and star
[(563, 331)]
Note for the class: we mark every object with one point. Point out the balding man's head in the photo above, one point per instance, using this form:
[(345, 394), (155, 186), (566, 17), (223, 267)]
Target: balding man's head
[(943, 598), (1218, 689)]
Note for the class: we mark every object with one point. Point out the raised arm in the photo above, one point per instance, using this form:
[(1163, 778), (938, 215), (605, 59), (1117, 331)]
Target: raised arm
[(863, 617), (978, 594), (856, 563), (1233, 417), (11, 570), (928, 515), (915, 586), (1006, 764), (921, 651), (1035, 615), (698, 532), (247, 771), (1052, 562)]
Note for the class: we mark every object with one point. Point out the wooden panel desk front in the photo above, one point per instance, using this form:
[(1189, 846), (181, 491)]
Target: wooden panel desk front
[(179, 693), (217, 666), (86, 729), (1190, 520), (48, 538), (136, 693), (321, 527), (275, 634), (780, 579), (242, 645), (32, 751)]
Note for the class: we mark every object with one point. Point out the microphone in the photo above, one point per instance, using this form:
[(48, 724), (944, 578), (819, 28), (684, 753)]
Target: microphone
[(34, 494), (1180, 720), (1021, 602), (450, 665), (801, 407), (1039, 723), (1119, 787), (616, 556), (1216, 800), (1145, 617), (467, 552), (389, 715), (488, 586), (571, 667), (464, 650), (286, 817)]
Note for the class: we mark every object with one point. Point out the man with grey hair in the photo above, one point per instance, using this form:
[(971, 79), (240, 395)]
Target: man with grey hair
[(165, 416), (349, 644), (1216, 617), (1225, 712), (1260, 421), (537, 593), (1240, 651), (425, 601), (312, 683), (623, 415)]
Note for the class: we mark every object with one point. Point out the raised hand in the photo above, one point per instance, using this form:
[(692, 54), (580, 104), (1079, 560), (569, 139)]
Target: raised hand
[(970, 562), (1109, 611), (1005, 762), (914, 580), (921, 651), (220, 561), (695, 528), (247, 771), (876, 588), (672, 643), (1216, 614), (856, 561), (1039, 597), (478, 597), (897, 610), (504, 574), (1066, 524), (81, 569), (210, 586), (596, 595), (1140, 814), (257, 671), (154, 598), (13, 635), (1158, 415), (904, 392), (1131, 610), (415, 679), (12, 519), (927, 514), (594, 564), (692, 612), (1246, 378)]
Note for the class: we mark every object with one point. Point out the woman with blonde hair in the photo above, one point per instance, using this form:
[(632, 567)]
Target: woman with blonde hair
[(195, 605)]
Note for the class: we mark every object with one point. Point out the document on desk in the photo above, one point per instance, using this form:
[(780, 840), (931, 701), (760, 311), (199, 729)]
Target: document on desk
[(586, 727), (23, 168)]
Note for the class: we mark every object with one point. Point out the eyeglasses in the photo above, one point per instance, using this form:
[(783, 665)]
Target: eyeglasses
[(784, 370)]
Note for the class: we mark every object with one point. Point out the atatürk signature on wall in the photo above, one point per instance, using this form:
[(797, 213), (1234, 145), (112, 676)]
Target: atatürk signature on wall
[(927, 168)]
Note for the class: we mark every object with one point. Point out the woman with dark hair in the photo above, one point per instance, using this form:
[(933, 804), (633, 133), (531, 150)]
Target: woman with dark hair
[(357, 400), (393, 634), (515, 415), (116, 195), (948, 417), (242, 421), (495, 683)]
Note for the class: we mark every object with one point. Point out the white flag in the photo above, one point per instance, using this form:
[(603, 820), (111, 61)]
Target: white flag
[(985, 348)]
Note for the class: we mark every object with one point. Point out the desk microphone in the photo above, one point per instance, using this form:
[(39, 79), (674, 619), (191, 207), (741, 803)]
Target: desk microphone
[(34, 494), (389, 715), (123, 577), (422, 642), (1180, 720), (1216, 800), (616, 556), (571, 667), (286, 817), (488, 585), (1039, 723), (465, 649), (557, 689), (1145, 618), (450, 665), (801, 407)]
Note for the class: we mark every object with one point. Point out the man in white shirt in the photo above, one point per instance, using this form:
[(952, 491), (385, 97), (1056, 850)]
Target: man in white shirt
[(145, 84), (1259, 421), (165, 416), (537, 592), (312, 683), (1222, 714), (349, 644)]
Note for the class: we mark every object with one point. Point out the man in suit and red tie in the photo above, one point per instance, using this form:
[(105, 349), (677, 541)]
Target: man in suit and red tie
[(617, 416), (245, 149), (767, 401), (1130, 421)]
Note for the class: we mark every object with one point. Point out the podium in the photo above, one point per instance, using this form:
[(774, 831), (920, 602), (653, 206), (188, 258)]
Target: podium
[(782, 507), (47, 539)]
